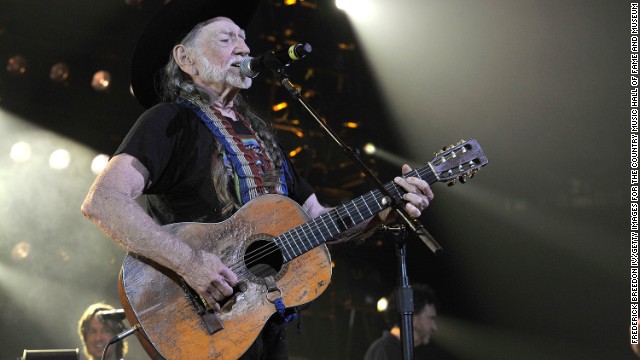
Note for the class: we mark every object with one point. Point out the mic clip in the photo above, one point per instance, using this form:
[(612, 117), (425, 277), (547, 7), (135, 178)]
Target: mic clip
[(394, 229)]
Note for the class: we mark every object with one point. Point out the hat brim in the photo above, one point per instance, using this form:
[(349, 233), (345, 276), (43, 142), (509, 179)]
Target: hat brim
[(170, 25)]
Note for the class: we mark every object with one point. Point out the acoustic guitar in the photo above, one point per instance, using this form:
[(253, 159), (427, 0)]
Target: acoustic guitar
[(278, 254)]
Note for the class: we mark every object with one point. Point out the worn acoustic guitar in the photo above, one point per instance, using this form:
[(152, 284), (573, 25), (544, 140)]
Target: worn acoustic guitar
[(276, 251)]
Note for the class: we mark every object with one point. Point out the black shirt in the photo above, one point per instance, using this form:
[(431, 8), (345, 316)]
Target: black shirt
[(178, 151)]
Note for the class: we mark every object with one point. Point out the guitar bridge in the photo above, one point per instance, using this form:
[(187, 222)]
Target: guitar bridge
[(210, 321)]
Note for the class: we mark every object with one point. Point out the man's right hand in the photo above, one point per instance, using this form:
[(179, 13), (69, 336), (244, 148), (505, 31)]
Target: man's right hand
[(209, 277)]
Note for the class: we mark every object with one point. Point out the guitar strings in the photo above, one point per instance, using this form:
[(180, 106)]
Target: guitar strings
[(316, 226)]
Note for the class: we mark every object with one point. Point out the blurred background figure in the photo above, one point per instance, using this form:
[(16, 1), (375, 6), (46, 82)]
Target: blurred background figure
[(96, 331), (388, 346)]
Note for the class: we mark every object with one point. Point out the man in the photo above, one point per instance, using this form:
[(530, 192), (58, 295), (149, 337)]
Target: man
[(202, 154), (389, 346), (96, 333)]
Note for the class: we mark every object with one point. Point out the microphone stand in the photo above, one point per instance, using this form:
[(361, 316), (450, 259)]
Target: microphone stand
[(404, 292)]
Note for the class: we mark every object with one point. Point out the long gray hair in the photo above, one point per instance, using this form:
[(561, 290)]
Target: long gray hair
[(177, 84)]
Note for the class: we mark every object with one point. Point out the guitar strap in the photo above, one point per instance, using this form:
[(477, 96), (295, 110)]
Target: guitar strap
[(287, 315), (248, 171)]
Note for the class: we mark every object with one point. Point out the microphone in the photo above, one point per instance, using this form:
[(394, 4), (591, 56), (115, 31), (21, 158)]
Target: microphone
[(117, 315), (251, 67)]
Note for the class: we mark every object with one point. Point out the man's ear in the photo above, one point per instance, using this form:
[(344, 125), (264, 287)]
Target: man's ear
[(182, 57)]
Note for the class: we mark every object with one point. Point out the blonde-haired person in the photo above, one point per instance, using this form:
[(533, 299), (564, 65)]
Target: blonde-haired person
[(96, 332)]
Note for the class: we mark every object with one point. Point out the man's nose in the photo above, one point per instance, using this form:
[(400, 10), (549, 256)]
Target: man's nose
[(242, 48)]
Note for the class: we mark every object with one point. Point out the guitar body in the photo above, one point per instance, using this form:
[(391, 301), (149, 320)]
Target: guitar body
[(170, 327)]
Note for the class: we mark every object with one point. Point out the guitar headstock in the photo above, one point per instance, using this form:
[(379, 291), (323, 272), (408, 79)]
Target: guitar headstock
[(458, 162)]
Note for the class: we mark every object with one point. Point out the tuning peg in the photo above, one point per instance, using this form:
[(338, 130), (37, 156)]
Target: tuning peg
[(461, 142), (452, 182), (463, 179)]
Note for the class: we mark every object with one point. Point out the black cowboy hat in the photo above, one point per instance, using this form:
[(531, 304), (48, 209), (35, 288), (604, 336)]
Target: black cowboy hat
[(167, 28)]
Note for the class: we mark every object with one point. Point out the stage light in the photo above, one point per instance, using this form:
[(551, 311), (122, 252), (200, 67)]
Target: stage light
[(358, 9), (288, 32), (345, 46), (382, 304), (21, 250), (280, 106), (99, 162), (369, 149), (387, 156), (59, 159), (351, 124), (20, 152), (63, 253), (17, 65), (101, 80), (59, 73), (295, 151)]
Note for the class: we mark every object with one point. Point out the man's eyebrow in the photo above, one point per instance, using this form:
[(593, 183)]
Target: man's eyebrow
[(240, 33)]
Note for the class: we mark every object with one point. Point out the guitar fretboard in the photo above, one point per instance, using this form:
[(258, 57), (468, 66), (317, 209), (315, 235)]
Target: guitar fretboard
[(307, 236)]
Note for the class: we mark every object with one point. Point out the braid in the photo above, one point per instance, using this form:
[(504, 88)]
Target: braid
[(220, 177), (264, 131)]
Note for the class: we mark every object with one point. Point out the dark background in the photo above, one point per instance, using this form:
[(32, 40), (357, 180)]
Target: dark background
[(536, 246)]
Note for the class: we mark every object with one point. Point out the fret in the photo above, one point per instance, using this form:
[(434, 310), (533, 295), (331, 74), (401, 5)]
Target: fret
[(358, 210), (287, 245), (368, 208), (280, 241), (331, 214), (295, 239), (297, 246), (377, 207), (343, 207), (325, 226), (312, 233), (304, 239), (376, 200)]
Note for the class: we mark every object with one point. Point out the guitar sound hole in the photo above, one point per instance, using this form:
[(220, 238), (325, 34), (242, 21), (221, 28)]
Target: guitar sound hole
[(263, 258)]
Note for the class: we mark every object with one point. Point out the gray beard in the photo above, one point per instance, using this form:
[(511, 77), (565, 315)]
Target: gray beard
[(215, 74)]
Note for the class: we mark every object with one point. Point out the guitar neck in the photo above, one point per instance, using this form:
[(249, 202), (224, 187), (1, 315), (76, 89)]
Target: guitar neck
[(307, 236)]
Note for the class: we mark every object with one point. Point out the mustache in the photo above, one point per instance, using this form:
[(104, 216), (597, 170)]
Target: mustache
[(235, 61)]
